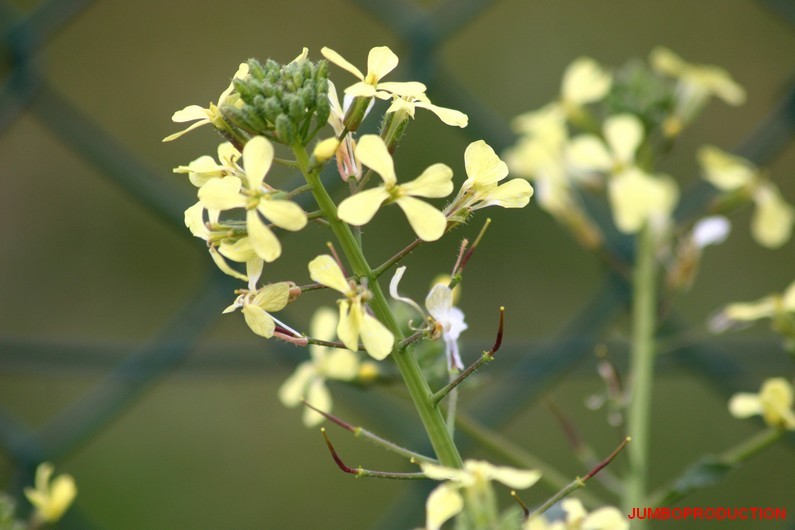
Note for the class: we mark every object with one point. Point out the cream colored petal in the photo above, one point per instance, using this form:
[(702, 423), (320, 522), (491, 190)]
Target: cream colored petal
[(427, 222), (323, 323), (360, 90), (724, 171), (744, 405), (375, 337), (439, 301), (62, 492), (515, 193), (636, 198), (448, 116), (359, 209), (394, 283), (776, 399), (222, 194), (293, 389), (771, 224), (323, 269), (585, 81), (588, 153), (483, 165), (190, 113), (194, 220), (720, 83), (340, 61), (258, 320), (750, 311), (254, 271), (284, 214), (666, 62), (257, 159), (372, 152), (443, 503), (606, 518), (348, 326), (272, 297), (319, 397), (438, 472), (221, 263), (229, 155), (435, 182), (514, 478), (301, 56), (403, 88), (788, 298), (342, 365), (624, 133), (380, 61), (264, 243), (240, 251), (242, 71), (201, 170), (402, 104)]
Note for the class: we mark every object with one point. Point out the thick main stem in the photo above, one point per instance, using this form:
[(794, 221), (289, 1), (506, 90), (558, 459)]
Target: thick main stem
[(417, 386), (644, 307)]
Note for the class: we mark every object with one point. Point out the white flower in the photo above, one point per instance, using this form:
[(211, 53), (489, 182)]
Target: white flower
[(449, 322)]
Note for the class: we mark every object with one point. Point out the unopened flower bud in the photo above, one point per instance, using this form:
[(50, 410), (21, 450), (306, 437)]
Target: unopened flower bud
[(325, 149)]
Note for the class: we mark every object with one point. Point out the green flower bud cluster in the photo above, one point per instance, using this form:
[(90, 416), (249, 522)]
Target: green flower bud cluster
[(638, 90), (279, 102)]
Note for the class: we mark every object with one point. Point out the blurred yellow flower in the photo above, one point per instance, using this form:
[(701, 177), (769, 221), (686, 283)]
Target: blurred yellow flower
[(446, 501), (257, 306), (773, 217), (51, 498), (637, 198), (380, 62), (436, 181), (355, 322), (773, 403), (309, 379), (623, 134), (201, 116), (766, 307), (584, 81), (577, 518), (248, 190)]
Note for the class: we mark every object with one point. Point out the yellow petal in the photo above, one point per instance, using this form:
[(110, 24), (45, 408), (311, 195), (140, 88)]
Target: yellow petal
[(323, 269), (322, 326), (240, 251), (788, 298), (776, 400), (443, 503), (190, 113), (380, 61), (257, 159), (194, 220), (448, 116), (585, 81), (360, 90), (284, 214), (359, 209), (483, 165), (724, 171), (348, 326), (222, 194), (515, 193), (342, 365), (435, 182), (301, 56), (511, 477), (221, 263), (272, 297), (376, 338), (339, 60), (262, 239), (750, 311), (636, 198), (624, 133), (62, 492), (744, 405), (771, 224), (319, 397), (427, 222), (372, 152), (258, 320), (606, 518), (403, 88), (587, 152), (293, 389)]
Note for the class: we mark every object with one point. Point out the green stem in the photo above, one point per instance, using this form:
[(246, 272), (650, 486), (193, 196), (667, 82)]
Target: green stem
[(420, 392), (644, 306)]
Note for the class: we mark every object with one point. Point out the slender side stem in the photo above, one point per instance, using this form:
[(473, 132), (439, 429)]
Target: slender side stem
[(420, 392), (644, 306), (381, 269)]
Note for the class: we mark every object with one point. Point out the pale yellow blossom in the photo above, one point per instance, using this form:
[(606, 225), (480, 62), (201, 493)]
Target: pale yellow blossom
[(773, 403), (201, 116), (258, 305), (308, 382), (380, 62), (766, 307), (637, 198), (408, 104), (51, 498), (584, 81), (355, 323), (249, 191), (435, 182), (577, 518), (623, 134)]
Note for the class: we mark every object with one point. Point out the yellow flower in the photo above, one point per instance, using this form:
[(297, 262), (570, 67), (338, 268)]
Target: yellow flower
[(577, 518), (201, 116), (248, 190), (347, 165), (637, 198), (773, 403), (380, 61), (482, 187), (204, 168), (355, 322), (584, 81), (257, 306), (446, 501), (623, 134), (408, 104), (309, 379), (51, 498), (435, 182), (696, 83), (767, 307), (773, 217)]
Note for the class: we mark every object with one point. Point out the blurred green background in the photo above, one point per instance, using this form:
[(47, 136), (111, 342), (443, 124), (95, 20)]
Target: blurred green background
[(116, 364)]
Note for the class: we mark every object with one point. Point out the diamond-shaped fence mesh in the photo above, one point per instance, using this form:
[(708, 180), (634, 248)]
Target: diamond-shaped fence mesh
[(115, 374)]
